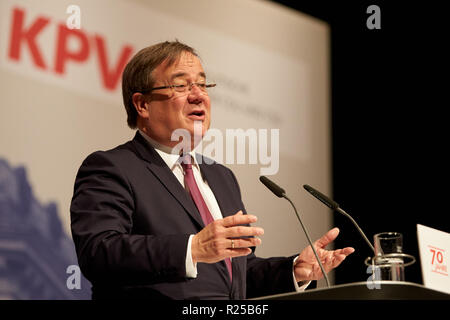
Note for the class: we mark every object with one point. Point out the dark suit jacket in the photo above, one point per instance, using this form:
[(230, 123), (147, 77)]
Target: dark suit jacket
[(131, 220)]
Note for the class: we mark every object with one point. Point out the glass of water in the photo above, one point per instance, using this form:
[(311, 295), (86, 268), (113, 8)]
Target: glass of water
[(389, 256)]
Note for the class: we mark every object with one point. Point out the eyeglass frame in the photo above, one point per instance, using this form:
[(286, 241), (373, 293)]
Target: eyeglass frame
[(173, 86)]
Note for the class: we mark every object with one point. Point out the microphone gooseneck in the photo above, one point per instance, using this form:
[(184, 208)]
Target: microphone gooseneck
[(333, 205), (280, 193)]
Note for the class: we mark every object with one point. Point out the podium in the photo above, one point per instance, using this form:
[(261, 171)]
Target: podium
[(382, 290)]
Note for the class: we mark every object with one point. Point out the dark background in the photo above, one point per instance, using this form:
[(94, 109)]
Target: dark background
[(389, 123)]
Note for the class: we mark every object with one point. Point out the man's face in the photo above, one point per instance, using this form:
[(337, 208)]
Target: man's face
[(170, 110)]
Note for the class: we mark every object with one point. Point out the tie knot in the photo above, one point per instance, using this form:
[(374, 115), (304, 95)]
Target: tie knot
[(186, 162)]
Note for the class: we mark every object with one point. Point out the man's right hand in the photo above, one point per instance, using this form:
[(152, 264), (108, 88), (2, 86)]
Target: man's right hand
[(214, 242)]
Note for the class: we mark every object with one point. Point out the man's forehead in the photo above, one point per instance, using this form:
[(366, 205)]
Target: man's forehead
[(185, 62), (188, 57)]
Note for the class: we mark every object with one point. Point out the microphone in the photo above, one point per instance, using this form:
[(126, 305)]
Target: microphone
[(335, 207), (323, 198), (280, 193), (272, 186)]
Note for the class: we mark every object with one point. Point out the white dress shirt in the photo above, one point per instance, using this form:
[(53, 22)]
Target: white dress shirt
[(172, 162)]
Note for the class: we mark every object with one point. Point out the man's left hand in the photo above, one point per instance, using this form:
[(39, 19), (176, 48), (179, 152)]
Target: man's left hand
[(306, 267)]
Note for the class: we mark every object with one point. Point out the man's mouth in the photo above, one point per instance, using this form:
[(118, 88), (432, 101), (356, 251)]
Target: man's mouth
[(198, 115)]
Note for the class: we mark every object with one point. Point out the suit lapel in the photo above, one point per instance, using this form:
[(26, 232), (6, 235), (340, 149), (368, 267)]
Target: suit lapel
[(163, 173), (214, 181), (227, 208)]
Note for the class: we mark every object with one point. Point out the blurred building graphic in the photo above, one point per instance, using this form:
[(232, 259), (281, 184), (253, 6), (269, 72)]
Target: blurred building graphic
[(35, 252)]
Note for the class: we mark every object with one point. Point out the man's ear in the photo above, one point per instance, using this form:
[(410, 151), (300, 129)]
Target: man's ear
[(141, 104)]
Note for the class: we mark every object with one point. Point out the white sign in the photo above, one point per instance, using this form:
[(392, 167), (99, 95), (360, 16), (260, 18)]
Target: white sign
[(434, 249)]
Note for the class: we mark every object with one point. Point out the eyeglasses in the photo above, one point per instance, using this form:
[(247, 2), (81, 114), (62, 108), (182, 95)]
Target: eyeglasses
[(184, 87)]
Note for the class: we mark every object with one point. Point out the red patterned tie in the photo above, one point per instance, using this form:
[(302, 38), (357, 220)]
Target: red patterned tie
[(189, 182)]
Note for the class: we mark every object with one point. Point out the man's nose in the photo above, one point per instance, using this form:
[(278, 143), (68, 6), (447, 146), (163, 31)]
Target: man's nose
[(195, 95)]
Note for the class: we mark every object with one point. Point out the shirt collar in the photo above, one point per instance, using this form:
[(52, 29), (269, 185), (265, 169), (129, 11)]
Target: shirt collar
[(171, 159)]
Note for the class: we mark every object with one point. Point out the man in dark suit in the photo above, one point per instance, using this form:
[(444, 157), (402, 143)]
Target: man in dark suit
[(149, 222)]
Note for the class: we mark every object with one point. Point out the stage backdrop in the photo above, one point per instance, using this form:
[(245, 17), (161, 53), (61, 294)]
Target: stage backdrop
[(60, 91)]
